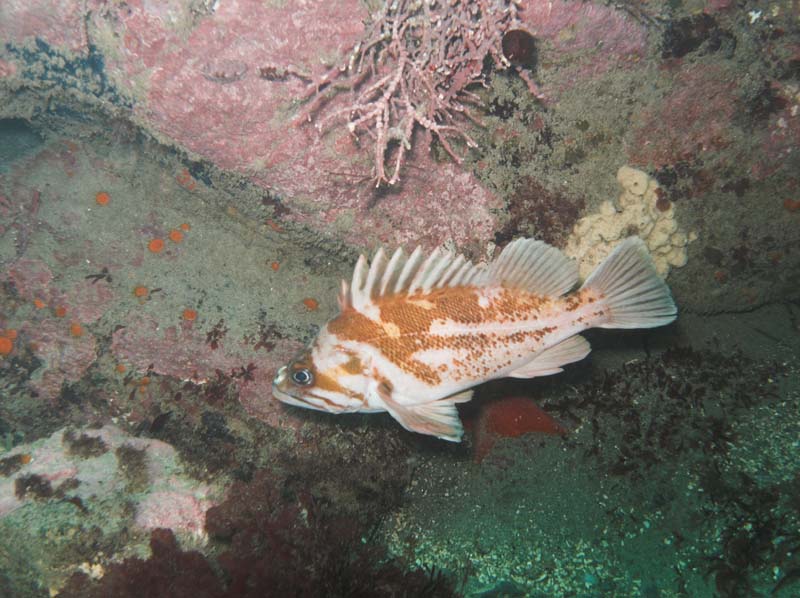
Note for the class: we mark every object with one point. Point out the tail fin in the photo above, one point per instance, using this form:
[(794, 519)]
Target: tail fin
[(632, 290)]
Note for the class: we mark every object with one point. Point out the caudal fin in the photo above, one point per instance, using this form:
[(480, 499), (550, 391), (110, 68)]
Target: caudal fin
[(633, 292)]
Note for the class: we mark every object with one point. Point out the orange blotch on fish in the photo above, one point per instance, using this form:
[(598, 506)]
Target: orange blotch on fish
[(76, 329), (156, 245), (39, 304), (311, 303), (175, 235), (102, 198), (189, 315), (60, 311), (6, 345)]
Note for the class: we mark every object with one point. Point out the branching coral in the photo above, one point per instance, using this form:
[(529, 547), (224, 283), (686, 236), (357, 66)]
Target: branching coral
[(413, 68)]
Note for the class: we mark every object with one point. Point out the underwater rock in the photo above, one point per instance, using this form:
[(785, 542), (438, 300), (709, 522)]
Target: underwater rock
[(104, 485)]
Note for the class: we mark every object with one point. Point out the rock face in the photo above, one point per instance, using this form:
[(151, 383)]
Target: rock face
[(233, 86), (220, 84), (102, 483)]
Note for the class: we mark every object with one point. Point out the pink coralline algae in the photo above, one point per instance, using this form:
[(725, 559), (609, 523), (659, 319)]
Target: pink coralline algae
[(225, 91), (782, 135), (411, 71), (693, 120), (55, 22), (176, 510), (183, 352), (65, 356), (233, 83), (92, 468)]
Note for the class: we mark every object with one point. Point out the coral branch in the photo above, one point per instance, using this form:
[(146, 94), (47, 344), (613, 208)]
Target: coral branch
[(412, 69)]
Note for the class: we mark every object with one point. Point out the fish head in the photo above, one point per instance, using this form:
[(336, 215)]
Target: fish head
[(326, 376)]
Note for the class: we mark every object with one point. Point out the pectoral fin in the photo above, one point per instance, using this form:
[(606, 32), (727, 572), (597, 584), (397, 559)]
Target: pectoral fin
[(437, 418), (550, 360)]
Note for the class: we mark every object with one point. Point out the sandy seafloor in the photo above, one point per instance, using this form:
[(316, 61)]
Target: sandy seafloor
[(653, 492)]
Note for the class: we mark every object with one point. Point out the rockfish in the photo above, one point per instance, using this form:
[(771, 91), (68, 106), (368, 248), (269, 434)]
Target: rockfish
[(414, 334)]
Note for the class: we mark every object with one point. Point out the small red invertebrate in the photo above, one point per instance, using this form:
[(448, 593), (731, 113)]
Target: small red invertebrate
[(156, 245), (792, 205), (102, 198)]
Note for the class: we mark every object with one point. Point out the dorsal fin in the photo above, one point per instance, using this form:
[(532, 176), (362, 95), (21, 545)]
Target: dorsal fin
[(533, 266), (402, 274), (524, 264)]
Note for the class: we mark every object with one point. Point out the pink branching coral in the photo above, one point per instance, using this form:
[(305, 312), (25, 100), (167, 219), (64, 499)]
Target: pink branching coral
[(413, 68)]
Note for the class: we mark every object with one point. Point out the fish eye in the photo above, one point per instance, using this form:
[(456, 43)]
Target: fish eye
[(302, 377)]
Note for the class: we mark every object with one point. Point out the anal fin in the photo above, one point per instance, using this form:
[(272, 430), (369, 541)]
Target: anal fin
[(549, 361), (436, 418)]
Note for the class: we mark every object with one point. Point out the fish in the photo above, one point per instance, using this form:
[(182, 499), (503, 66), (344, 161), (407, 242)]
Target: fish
[(415, 334)]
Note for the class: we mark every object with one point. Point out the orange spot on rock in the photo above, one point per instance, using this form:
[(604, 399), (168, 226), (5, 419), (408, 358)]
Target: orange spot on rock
[(6, 345), (189, 315), (102, 198), (185, 180), (39, 304), (156, 245), (60, 311), (25, 459), (141, 292), (175, 235), (274, 225), (275, 266), (311, 303), (120, 368), (185, 227), (76, 329), (792, 205)]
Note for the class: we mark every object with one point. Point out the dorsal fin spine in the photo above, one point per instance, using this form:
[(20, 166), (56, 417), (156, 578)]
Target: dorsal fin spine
[(450, 273), (376, 270), (409, 270), (392, 271), (357, 284)]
